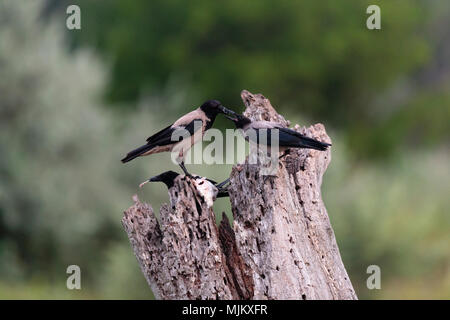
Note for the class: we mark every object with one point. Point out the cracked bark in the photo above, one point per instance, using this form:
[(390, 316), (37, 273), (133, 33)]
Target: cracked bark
[(281, 244)]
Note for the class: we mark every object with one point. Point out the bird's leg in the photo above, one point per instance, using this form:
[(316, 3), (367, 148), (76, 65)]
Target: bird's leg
[(285, 153), (181, 164), (180, 161)]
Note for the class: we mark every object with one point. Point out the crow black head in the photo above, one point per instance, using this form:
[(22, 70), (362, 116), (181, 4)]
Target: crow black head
[(239, 120), (167, 178), (214, 107)]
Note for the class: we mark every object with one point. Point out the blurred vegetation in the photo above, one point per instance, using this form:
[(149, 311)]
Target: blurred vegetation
[(316, 57), (394, 216), (383, 95)]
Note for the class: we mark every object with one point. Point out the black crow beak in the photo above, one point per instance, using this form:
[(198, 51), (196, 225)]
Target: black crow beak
[(231, 118), (226, 111)]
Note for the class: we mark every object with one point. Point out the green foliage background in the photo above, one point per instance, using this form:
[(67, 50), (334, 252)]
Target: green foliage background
[(72, 102)]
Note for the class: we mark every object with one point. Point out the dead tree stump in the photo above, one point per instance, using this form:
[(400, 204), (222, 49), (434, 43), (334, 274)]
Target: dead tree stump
[(281, 244)]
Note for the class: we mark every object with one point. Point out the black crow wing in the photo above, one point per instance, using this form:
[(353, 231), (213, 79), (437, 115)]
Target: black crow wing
[(262, 135), (302, 140), (164, 132), (164, 137), (286, 138)]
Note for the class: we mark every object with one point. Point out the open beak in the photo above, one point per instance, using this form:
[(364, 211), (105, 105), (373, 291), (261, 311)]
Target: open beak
[(152, 179), (144, 183)]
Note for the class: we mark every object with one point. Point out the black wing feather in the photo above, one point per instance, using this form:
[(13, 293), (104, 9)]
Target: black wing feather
[(303, 141), (161, 138), (165, 136), (164, 132), (288, 138)]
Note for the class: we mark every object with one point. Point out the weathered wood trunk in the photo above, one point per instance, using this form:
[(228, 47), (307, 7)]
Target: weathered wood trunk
[(281, 244)]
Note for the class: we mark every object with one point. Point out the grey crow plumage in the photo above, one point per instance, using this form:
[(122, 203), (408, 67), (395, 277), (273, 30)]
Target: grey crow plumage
[(182, 134), (263, 131)]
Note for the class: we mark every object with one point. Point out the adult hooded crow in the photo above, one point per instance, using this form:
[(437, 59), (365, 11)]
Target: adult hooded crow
[(263, 132), (209, 189), (182, 134)]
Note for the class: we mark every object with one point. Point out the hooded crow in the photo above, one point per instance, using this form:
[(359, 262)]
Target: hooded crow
[(180, 136), (287, 138), (209, 189)]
